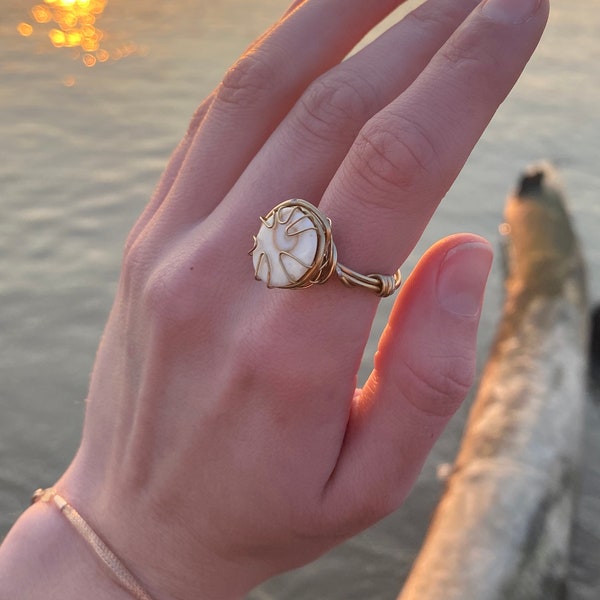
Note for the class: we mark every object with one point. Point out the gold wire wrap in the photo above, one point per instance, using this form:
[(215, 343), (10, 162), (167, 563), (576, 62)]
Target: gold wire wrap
[(382, 285), (325, 261), (124, 577)]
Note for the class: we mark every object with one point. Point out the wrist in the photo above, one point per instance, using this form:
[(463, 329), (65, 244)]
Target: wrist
[(43, 552), (148, 537)]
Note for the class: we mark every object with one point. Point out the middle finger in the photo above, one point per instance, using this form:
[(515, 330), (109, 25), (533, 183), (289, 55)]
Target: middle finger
[(302, 155)]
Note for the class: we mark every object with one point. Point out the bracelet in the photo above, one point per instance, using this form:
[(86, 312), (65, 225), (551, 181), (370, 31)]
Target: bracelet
[(106, 555)]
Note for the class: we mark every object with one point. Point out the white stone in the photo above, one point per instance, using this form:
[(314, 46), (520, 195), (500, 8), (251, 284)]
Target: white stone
[(285, 247)]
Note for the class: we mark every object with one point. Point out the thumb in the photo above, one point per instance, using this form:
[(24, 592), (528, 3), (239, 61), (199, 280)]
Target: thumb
[(424, 368)]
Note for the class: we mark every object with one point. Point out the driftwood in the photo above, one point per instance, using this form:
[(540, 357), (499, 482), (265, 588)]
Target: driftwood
[(502, 528), (594, 370)]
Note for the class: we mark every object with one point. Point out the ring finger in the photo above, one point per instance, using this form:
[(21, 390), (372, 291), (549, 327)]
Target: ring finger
[(406, 156)]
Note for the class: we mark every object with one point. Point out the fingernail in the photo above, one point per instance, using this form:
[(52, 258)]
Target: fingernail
[(462, 278), (510, 12)]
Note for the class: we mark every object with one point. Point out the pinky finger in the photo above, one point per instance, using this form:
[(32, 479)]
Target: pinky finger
[(170, 173)]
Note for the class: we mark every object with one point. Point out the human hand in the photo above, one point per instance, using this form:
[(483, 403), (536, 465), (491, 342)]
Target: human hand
[(223, 420)]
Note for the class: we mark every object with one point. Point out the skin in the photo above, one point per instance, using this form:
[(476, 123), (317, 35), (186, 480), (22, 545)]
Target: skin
[(224, 439)]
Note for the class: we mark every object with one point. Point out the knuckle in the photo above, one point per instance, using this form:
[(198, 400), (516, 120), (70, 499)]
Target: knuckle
[(395, 155), (459, 54), (248, 79), (166, 299), (428, 18), (332, 106), (246, 358), (440, 390), (197, 119), (136, 260), (173, 294), (251, 351)]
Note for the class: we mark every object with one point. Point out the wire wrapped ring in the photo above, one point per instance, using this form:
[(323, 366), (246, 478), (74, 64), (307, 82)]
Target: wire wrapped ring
[(294, 249)]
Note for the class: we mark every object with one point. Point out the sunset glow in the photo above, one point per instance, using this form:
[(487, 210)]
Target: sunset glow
[(73, 24)]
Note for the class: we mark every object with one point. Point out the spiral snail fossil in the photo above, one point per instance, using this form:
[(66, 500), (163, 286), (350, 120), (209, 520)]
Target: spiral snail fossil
[(293, 247)]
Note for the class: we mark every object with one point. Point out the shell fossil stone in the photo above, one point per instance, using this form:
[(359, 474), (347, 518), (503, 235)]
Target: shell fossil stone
[(293, 248)]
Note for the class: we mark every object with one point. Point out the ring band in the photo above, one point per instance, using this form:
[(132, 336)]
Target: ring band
[(294, 249)]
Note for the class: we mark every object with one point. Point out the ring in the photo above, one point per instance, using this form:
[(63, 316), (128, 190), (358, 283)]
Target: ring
[(294, 249)]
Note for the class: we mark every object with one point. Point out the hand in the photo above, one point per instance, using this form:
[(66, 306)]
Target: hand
[(224, 439)]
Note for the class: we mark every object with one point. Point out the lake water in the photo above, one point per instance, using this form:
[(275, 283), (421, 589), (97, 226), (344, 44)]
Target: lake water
[(81, 148)]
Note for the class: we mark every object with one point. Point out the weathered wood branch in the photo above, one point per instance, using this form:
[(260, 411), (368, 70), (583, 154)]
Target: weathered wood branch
[(501, 530)]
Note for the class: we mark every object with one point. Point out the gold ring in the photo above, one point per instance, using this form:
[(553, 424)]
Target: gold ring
[(294, 249)]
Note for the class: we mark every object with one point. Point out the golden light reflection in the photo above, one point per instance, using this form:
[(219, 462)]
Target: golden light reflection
[(72, 24), (25, 29)]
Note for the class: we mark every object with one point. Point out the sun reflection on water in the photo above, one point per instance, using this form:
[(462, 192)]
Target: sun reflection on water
[(73, 24)]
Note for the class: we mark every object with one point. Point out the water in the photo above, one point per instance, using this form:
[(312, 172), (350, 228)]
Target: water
[(81, 151)]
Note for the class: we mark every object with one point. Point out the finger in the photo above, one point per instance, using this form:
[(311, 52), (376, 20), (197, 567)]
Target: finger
[(322, 126), (406, 157), (423, 369), (170, 173), (260, 89)]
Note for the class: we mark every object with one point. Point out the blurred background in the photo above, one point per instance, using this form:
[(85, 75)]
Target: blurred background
[(94, 95)]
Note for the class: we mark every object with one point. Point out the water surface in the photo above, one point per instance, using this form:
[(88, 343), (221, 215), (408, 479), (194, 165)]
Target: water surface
[(82, 147)]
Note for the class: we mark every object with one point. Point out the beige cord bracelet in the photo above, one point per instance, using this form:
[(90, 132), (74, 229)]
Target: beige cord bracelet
[(106, 555)]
